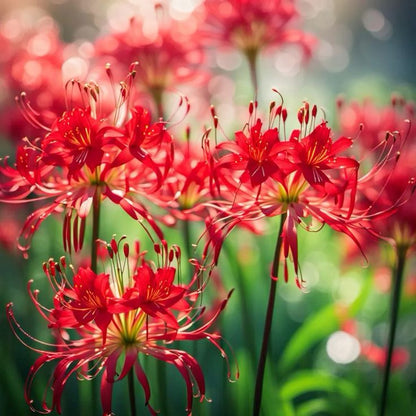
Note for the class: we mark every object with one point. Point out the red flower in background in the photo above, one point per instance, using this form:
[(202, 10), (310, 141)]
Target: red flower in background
[(375, 354), (118, 318), (386, 139), (190, 182), (398, 229), (31, 62), (9, 229), (251, 26), (167, 52), (369, 123)]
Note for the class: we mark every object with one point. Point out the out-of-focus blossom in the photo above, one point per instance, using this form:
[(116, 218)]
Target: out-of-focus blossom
[(189, 184), (107, 323), (253, 26), (168, 56), (87, 156), (369, 123), (9, 229), (393, 183), (31, 62), (397, 184)]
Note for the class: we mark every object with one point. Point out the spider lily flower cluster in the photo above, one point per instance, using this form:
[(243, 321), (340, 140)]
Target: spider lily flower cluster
[(387, 130), (309, 177), (106, 324), (85, 157)]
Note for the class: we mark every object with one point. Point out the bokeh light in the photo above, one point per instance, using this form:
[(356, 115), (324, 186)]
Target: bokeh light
[(342, 347)]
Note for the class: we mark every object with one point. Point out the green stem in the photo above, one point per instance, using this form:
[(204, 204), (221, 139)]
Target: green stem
[(187, 238), (398, 273), (268, 322), (162, 381), (252, 63), (86, 396), (132, 398), (186, 230), (96, 205)]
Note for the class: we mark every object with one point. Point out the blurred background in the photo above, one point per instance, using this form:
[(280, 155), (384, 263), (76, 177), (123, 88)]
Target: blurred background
[(365, 47), (324, 344)]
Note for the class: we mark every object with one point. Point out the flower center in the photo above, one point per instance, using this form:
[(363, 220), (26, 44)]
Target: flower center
[(126, 329)]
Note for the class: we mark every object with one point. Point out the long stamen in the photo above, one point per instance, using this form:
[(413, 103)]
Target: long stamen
[(31, 116)]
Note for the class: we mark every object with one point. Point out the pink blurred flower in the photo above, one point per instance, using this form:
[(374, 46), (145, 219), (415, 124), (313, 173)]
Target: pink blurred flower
[(375, 354), (386, 140), (31, 62), (168, 56), (253, 26)]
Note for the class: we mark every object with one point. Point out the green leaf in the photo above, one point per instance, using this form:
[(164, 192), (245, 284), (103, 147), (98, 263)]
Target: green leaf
[(313, 330), (318, 392), (312, 380), (318, 326), (311, 407)]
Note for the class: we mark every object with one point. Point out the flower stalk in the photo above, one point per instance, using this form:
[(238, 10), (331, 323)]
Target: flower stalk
[(163, 383), (252, 63), (268, 322), (398, 273), (95, 228)]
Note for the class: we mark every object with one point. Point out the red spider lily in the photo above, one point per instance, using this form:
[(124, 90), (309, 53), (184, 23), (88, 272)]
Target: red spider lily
[(316, 153), (76, 139), (398, 229), (9, 229), (190, 183), (369, 123), (19, 181), (252, 26), (89, 299), (302, 206), (256, 154), (106, 322), (308, 178), (147, 142), (156, 294), (85, 158), (31, 61), (390, 182), (75, 197), (168, 56)]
